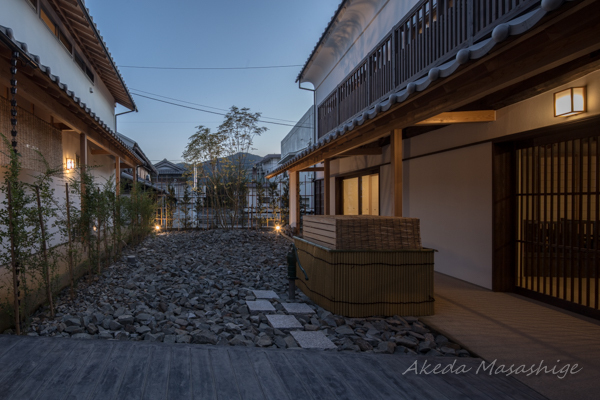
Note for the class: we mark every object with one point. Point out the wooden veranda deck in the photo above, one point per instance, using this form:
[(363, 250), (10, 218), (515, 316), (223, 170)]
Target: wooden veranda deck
[(47, 368)]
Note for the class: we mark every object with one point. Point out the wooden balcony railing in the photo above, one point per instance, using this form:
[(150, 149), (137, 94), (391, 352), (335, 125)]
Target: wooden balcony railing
[(429, 35)]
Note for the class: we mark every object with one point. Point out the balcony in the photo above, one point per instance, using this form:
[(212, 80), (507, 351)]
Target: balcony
[(429, 35)]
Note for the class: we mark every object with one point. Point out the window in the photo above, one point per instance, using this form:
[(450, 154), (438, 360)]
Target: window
[(48, 21), (45, 16), (79, 61), (359, 195)]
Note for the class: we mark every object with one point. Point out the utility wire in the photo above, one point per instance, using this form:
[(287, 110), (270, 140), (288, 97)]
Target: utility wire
[(207, 111), (201, 105), (210, 68)]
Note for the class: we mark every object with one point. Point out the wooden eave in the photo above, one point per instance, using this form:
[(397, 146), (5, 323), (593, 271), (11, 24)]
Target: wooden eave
[(562, 37), (81, 27)]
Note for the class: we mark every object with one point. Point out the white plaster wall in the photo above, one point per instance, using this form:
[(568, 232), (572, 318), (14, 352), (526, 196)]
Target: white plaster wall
[(451, 193), (29, 28), (362, 26)]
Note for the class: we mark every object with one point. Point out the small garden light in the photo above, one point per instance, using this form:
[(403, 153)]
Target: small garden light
[(277, 228), (70, 164), (157, 227)]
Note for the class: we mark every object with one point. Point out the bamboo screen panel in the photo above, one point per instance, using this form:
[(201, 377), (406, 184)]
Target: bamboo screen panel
[(32, 134), (558, 236), (367, 283)]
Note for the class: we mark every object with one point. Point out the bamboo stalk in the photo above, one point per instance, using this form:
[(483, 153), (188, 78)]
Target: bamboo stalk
[(45, 252), (70, 257), (14, 262)]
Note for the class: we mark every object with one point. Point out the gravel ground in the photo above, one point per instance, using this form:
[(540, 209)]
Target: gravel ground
[(193, 287)]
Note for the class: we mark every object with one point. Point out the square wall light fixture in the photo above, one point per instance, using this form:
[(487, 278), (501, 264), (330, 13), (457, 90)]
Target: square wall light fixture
[(569, 102)]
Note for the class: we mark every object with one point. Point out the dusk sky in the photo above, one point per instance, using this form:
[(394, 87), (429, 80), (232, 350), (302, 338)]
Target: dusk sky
[(206, 34)]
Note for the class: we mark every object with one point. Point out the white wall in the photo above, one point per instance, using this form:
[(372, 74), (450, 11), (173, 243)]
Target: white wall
[(29, 28), (362, 26), (451, 193)]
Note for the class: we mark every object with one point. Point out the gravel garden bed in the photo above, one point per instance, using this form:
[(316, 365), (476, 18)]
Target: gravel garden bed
[(196, 287)]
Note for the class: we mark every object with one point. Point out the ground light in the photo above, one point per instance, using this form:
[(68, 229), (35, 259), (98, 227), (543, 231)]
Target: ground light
[(277, 228), (157, 227)]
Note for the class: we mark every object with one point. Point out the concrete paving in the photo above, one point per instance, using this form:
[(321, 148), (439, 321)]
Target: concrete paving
[(298, 308), (285, 322), (265, 294), (53, 368), (259, 306), (515, 330), (313, 340)]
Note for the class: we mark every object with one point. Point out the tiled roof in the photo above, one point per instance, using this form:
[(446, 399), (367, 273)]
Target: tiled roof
[(500, 33), (7, 36)]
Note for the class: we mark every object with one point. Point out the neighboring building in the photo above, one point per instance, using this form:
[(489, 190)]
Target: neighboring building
[(146, 169), (59, 85), (449, 112), (171, 175)]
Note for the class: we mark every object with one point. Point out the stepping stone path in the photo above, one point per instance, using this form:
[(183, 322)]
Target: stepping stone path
[(287, 322), (265, 294), (259, 306), (313, 340), (298, 308), (224, 288)]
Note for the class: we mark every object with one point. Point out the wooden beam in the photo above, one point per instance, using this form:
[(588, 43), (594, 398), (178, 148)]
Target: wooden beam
[(460, 117), (369, 151), (99, 152), (396, 146), (312, 169), (126, 165), (326, 186)]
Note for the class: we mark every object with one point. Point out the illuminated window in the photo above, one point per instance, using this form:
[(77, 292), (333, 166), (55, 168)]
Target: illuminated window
[(359, 194)]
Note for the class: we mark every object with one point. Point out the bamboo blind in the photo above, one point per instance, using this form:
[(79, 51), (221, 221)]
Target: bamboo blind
[(367, 283), (33, 135)]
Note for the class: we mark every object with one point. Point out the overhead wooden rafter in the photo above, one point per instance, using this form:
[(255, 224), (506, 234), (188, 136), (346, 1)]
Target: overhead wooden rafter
[(460, 117)]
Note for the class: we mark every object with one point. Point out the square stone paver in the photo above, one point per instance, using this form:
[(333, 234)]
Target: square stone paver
[(313, 340), (278, 321), (298, 308), (259, 306), (265, 294)]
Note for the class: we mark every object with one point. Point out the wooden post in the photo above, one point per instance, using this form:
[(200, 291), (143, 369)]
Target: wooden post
[(396, 159), (14, 263), (70, 257), (326, 187), (134, 173), (44, 252), (83, 158), (117, 175), (294, 194)]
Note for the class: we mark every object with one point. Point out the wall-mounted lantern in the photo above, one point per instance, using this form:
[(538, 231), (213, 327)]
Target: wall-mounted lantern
[(70, 164), (569, 102)]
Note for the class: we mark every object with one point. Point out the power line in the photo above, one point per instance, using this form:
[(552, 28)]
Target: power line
[(201, 105), (210, 68), (207, 111)]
